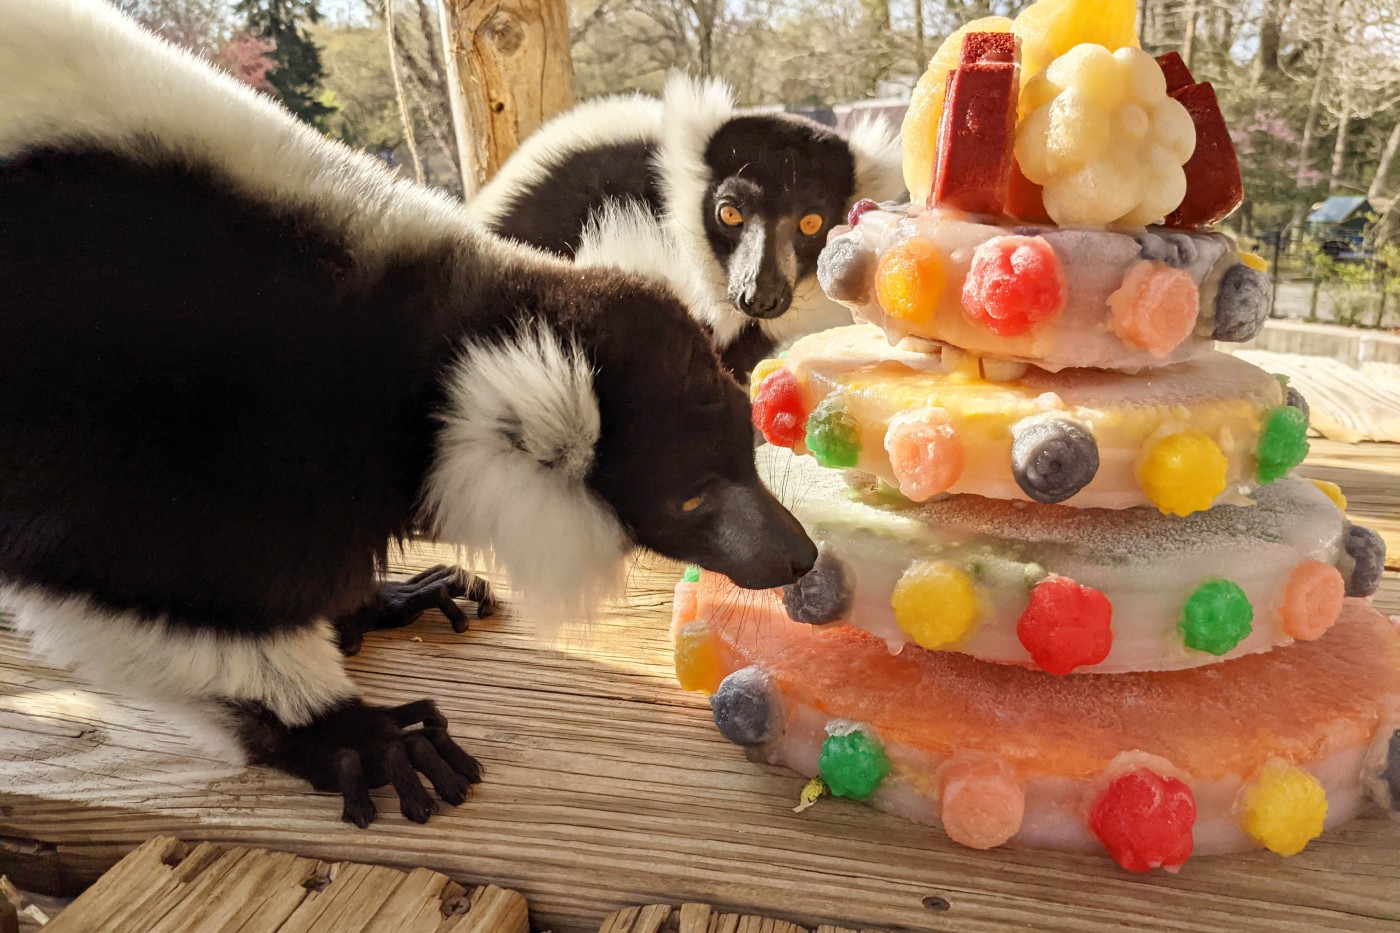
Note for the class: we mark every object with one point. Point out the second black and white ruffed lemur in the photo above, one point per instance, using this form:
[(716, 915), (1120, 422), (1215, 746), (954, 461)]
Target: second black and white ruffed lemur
[(237, 360), (747, 198)]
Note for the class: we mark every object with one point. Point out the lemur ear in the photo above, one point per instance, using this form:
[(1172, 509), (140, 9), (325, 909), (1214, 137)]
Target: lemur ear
[(879, 159)]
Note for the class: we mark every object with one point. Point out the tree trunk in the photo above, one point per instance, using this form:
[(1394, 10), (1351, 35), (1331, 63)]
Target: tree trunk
[(1380, 185), (1324, 65), (1265, 63), (399, 95), (1188, 41), (920, 55), (1339, 151), (510, 69)]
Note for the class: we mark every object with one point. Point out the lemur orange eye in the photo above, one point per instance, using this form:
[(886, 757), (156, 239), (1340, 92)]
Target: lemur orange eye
[(729, 215), (811, 224), (690, 505)]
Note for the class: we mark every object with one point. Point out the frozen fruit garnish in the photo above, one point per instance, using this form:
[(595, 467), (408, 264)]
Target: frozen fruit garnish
[(1052, 458), (981, 803), (1283, 442), (824, 593), (935, 604), (1242, 304), (1183, 472), (1213, 185), (745, 708), (1103, 139), (833, 434), (1217, 616), (1145, 821), (1050, 28), (1066, 626), (1284, 809), (919, 132), (910, 279), (925, 452), (853, 765), (777, 409), (978, 128), (1311, 600), (846, 270), (1013, 283), (1366, 549), (859, 209), (699, 665), (1156, 307)]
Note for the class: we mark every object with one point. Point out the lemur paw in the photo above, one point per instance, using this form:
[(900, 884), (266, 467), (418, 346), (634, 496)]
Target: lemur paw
[(400, 603), (357, 747)]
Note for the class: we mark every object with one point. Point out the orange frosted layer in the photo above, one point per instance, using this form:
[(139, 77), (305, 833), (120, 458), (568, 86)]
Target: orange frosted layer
[(1301, 703)]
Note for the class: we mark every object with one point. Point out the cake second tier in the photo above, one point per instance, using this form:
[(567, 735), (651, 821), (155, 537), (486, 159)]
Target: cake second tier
[(1181, 438)]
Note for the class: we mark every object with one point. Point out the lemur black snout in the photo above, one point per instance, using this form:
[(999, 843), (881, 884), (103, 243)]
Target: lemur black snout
[(766, 302), (764, 545)]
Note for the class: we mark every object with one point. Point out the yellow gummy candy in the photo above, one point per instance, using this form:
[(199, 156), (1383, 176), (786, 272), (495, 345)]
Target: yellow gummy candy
[(699, 665), (934, 603), (1333, 492), (1183, 473), (1050, 28), (919, 132), (761, 372), (909, 281), (1284, 809), (1257, 263)]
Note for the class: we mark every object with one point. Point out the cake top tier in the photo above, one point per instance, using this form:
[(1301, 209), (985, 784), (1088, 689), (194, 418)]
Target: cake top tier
[(1060, 117)]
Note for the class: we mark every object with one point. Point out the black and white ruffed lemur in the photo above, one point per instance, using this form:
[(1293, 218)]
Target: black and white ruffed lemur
[(237, 360), (749, 199)]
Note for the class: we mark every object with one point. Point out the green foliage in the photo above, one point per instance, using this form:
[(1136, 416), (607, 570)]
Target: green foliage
[(299, 72)]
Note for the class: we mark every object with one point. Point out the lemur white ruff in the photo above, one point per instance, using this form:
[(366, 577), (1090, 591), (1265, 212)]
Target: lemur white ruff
[(749, 199), (237, 360)]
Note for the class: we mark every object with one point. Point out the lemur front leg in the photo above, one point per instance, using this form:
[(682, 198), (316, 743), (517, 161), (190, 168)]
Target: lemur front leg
[(400, 603), (355, 746)]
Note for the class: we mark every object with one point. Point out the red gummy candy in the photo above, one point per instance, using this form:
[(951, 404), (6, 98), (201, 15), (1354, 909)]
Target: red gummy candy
[(1144, 820), (978, 129), (777, 410), (1213, 185), (1066, 625), (1013, 282)]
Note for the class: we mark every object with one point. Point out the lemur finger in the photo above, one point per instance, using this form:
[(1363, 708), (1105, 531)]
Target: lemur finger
[(348, 637), (480, 593), (452, 753), (414, 801), (440, 573), (350, 775), (423, 712), (454, 614), (450, 786)]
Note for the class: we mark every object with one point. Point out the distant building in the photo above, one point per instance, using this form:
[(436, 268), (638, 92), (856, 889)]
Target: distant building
[(1341, 222)]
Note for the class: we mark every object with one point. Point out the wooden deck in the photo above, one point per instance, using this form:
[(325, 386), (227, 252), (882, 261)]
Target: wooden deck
[(608, 787)]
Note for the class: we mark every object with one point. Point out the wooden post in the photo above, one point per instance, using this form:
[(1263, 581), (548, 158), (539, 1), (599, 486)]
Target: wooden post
[(509, 69)]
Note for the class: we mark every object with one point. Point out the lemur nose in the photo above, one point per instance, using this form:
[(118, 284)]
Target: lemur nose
[(765, 303)]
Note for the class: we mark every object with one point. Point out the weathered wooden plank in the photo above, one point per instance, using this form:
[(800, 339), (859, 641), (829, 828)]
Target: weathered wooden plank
[(607, 786), (165, 886)]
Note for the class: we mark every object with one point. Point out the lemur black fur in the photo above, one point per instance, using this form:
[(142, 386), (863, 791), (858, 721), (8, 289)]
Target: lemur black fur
[(682, 160), (237, 360)]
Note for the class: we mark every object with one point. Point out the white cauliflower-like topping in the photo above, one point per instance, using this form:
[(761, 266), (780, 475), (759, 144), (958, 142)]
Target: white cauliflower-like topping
[(1103, 139)]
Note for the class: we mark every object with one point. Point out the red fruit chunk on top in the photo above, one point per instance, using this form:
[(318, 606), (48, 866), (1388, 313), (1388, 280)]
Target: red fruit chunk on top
[(1144, 820), (777, 410), (1024, 198), (1213, 185), (1013, 282), (1066, 626), (1174, 69), (988, 47), (978, 129)]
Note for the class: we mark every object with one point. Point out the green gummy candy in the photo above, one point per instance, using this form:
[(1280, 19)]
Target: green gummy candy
[(833, 436), (853, 765), (1216, 617), (1283, 442), (692, 574)]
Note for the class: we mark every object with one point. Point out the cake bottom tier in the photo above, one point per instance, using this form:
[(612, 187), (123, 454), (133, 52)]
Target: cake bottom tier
[(1266, 750)]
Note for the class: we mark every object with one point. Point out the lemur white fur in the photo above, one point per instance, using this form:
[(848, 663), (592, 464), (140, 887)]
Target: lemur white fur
[(77, 70), (681, 124)]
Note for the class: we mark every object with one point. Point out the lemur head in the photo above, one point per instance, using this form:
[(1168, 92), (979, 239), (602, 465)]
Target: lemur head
[(760, 193), (599, 421)]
